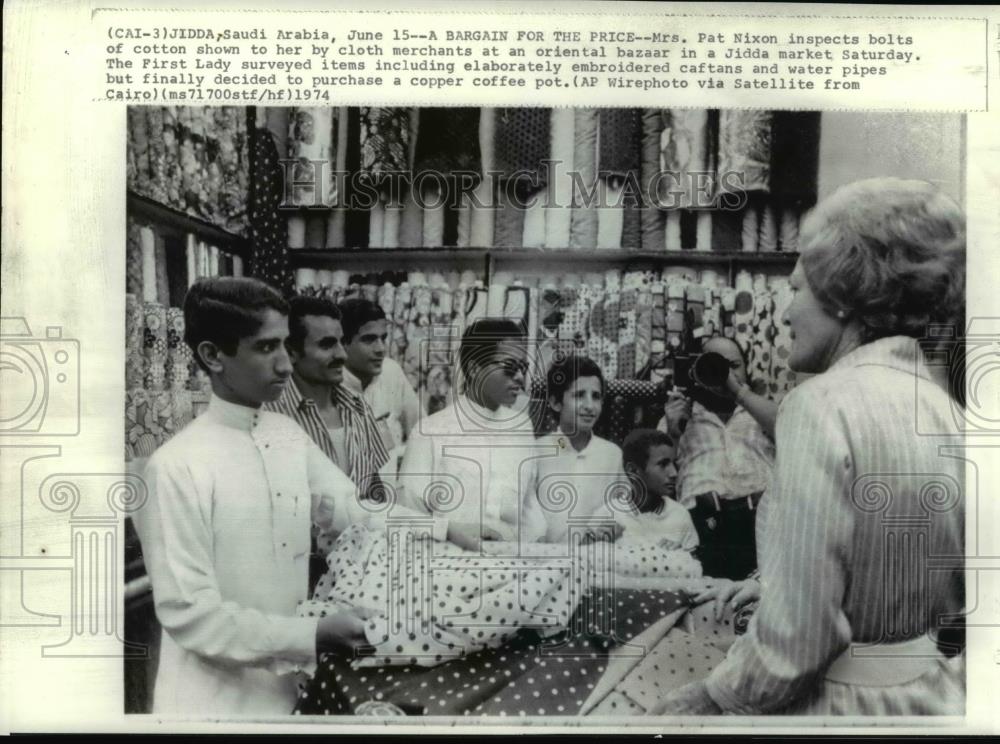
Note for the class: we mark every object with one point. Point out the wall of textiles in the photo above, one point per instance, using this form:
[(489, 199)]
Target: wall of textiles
[(676, 163), (680, 162), (628, 321), (163, 385), (192, 159)]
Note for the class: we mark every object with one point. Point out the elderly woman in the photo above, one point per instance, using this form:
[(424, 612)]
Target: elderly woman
[(862, 504)]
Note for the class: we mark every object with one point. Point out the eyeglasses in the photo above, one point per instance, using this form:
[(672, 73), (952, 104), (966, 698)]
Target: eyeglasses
[(514, 367)]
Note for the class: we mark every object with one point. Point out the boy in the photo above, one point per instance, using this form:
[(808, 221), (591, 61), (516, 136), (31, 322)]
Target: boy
[(591, 466), (649, 465), (226, 530)]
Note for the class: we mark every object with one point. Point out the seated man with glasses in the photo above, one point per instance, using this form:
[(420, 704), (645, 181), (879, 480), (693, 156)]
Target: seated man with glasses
[(476, 460)]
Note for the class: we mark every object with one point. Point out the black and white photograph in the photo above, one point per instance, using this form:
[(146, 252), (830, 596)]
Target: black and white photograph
[(572, 414)]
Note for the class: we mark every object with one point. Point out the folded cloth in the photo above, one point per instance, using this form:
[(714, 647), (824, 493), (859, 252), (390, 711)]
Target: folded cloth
[(620, 142), (448, 141), (523, 144)]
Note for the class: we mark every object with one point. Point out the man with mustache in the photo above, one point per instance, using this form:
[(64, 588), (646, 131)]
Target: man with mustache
[(338, 420)]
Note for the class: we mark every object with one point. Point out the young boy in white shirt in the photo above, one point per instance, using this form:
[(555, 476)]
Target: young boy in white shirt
[(649, 464)]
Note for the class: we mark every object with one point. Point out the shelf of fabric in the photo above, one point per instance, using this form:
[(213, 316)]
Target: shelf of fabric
[(311, 257), (170, 220)]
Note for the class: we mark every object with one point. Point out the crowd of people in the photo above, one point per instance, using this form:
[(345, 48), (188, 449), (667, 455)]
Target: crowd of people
[(312, 429)]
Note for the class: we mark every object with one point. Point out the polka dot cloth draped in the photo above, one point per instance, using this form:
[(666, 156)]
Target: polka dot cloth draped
[(528, 676)]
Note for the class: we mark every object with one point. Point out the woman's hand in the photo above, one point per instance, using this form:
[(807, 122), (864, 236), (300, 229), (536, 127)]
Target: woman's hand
[(470, 535), (690, 700), (734, 593)]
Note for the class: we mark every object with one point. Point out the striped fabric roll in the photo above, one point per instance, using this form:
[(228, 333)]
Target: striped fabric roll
[(583, 220), (135, 360)]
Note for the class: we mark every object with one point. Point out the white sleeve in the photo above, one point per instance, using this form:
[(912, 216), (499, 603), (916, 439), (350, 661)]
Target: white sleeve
[(176, 531)]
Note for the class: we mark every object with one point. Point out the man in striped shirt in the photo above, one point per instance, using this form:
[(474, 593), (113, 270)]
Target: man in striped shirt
[(338, 420)]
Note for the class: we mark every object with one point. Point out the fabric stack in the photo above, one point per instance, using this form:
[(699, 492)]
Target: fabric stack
[(573, 179), (192, 158), (160, 375), (632, 323), (156, 271)]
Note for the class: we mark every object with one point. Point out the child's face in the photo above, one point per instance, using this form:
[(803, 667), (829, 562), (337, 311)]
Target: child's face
[(581, 406), (660, 475)]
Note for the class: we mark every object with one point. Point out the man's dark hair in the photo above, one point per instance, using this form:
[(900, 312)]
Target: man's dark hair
[(225, 309), (481, 339), (355, 312), (638, 443), (566, 370), (301, 306)]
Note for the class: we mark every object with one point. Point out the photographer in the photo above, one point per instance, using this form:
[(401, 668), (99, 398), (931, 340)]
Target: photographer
[(725, 454)]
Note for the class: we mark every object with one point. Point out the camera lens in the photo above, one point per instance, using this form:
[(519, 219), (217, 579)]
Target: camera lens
[(711, 369)]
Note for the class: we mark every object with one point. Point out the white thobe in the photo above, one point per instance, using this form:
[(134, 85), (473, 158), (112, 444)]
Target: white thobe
[(226, 536)]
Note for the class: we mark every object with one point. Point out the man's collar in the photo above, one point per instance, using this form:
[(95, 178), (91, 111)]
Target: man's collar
[(232, 415)]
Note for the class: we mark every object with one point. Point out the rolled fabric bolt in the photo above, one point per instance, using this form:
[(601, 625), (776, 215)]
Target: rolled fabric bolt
[(417, 279), (202, 259), (147, 244), (584, 219), (559, 215), (481, 227), (704, 234), (237, 266), (326, 278), (305, 278), (213, 261), (339, 278), (336, 220), (390, 229), (534, 221), (496, 298), (789, 230), (316, 232), (434, 209), (296, 232), (610, 216), (673, 230), (768, 240), (376, 226), (464, 221), (751, 227), (191, 257)]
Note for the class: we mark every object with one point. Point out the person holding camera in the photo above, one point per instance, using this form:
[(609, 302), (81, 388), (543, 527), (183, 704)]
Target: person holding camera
[(852, 612), (725, 452)]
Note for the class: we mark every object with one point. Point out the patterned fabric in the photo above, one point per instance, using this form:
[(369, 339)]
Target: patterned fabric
[(133, 260), (620, 140), (558, 219), (522, 143), (311, 140), (583, 221), (685, 149), (135, 362), (385, 140), (268, 257), (653, 220), (448, 141), (155, 346), (745, 149)]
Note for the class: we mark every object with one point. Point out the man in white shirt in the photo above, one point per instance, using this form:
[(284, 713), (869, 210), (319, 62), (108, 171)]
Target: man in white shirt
[(379, 379), (226, 529), (475, 461)]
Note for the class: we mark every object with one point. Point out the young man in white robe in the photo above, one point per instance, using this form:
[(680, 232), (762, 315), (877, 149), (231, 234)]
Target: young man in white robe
[(226, 529)]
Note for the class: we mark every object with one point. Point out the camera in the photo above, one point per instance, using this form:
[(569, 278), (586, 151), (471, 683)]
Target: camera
[(41, 381), (708, 370), (967, 367)]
